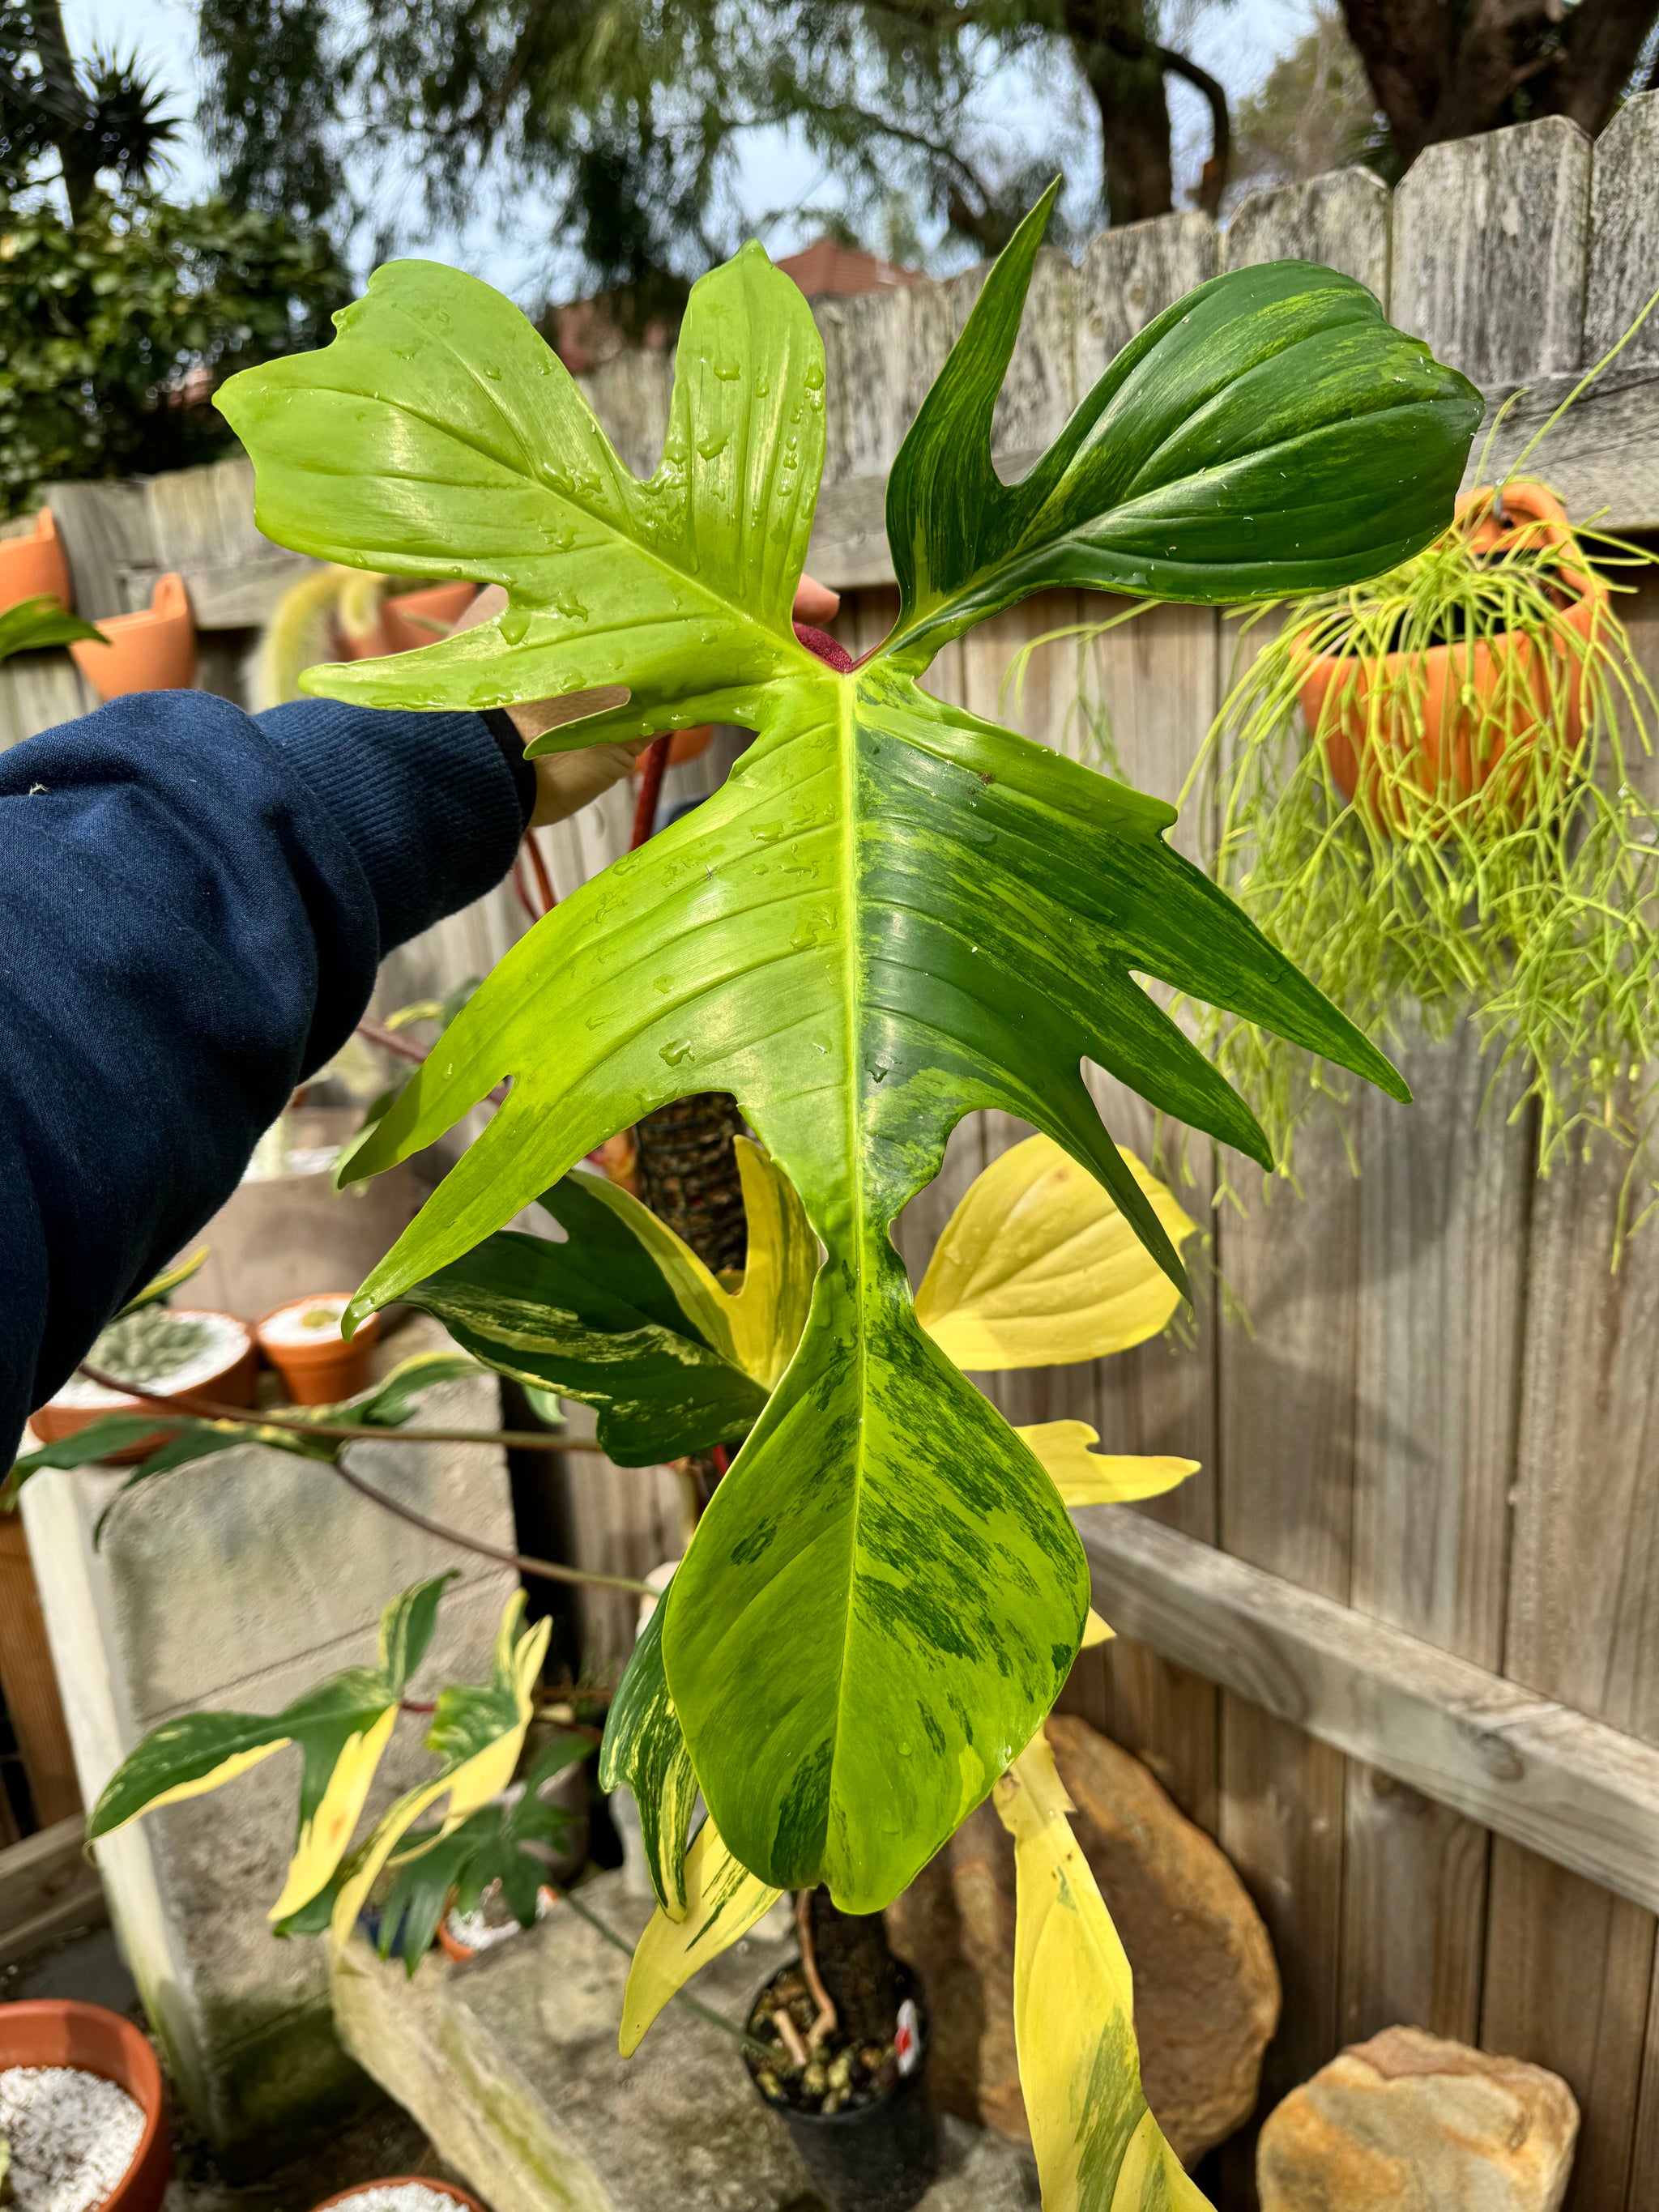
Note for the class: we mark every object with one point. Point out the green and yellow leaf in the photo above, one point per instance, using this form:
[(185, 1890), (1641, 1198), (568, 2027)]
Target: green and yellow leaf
[(644, 1747), (1098, 2149), (342, 1727), (478, 1732), (891, 914), (723, 1901), (1038, 1267)]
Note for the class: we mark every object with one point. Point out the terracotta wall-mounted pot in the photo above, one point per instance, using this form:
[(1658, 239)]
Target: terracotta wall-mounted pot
[(227, 1380), (59, 2031), (153, 650), (418, 618), (1438, 736), (302, 1341), (34, 566)]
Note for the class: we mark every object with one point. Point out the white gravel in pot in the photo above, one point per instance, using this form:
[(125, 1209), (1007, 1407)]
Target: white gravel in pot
[(73, 2135), (407, 2196)]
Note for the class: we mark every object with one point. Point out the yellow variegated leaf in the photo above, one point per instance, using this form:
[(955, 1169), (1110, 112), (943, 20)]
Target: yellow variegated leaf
[(1084, 1476), (324, 1837), (1098, 2149), (1037, 1267), (768, 1313), (237, 1762), (478, 1732), (1096, 1630), (723, 1902)]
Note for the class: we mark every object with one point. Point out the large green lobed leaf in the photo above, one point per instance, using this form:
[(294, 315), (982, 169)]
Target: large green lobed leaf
[(891, 914)]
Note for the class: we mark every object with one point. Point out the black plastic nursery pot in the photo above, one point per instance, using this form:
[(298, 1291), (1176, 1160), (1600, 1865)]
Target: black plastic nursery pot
[(882, 2156)]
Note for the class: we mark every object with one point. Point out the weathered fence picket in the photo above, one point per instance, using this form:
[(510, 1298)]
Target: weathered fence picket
[(1442, 1438)]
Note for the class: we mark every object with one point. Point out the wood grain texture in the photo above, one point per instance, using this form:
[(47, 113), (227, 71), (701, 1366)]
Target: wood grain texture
[(29, 1685), (1566, 1785), (1492, 249), (46, 1888), (1602, 457), (1128, 275), (1413, 1912), (1624, 255), (1341, 219), (1569, 1970)]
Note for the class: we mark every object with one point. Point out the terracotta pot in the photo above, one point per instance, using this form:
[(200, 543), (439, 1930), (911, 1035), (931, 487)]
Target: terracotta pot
[(401, 2181), (687, 745), (322, 1367), (230, 1385), (1430, 733), (34, 565), (418, 618), (152, 650), (58, 2032), (452, 1946)]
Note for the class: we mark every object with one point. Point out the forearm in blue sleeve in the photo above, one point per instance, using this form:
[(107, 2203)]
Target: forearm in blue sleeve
[(193, 903)]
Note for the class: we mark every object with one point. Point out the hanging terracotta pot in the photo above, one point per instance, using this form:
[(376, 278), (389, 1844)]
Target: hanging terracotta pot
[(152, 650), (302, 1341), (62, 2032), (34, 566), (224, 1369), (1432, 727), (418, 618)]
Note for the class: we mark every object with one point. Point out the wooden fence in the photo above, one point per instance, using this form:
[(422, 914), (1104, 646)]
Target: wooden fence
[(1397, 1646)]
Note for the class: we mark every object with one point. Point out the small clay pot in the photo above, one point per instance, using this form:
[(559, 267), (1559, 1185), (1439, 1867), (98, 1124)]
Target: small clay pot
[(1432, 733), (452, 1946), (151, 651), (422, 618), (34, 566), (879, 2157), (232, 1383), (449, 2189), (59, 2031), (319, 1368)]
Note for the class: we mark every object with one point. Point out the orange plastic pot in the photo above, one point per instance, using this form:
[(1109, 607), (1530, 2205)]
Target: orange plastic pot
[(320, 1368), (449, 2189), (231, 1384), (418, 618), (1436, 738), (34, 565), (151, 651), (58, 2032)]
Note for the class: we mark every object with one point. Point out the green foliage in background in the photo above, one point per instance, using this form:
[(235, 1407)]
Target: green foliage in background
[(115, 328)]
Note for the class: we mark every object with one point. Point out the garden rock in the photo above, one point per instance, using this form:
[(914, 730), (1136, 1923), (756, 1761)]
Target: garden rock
[(1206, 1989), (509, 2062), (1406, 2123)]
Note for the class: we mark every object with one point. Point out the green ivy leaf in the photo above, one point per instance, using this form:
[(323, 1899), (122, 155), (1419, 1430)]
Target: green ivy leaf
[(891, 914)]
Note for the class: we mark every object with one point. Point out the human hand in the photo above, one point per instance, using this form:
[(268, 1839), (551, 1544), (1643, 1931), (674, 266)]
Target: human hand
[(565, 782)]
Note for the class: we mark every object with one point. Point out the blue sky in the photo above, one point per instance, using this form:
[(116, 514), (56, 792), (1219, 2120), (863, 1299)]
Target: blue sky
[(506, 240)]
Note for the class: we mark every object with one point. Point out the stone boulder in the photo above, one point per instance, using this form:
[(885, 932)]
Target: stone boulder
[(1206, 1989), (1408, 2123)]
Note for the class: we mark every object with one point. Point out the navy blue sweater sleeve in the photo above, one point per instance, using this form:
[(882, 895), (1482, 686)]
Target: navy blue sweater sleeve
[(193, 903)]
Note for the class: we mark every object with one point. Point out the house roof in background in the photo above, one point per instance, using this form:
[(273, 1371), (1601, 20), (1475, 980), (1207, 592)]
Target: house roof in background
[(583, 333)]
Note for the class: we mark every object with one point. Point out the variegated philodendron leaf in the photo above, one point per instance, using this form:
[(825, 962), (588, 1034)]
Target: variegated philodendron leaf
[(624, 1318), (892, 912), (477, 1733), (342, 1727), (644, 1748), (723, 1901), (1098, 2149)]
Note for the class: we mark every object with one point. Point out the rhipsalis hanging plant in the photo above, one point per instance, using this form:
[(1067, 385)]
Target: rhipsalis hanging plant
[(892, 913), (1431, 802)]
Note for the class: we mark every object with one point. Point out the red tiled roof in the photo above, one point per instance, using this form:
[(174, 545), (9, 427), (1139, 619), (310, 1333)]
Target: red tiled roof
[(827, 270)]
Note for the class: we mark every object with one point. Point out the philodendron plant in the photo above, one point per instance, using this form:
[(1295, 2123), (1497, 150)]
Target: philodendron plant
[(891, 914)]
